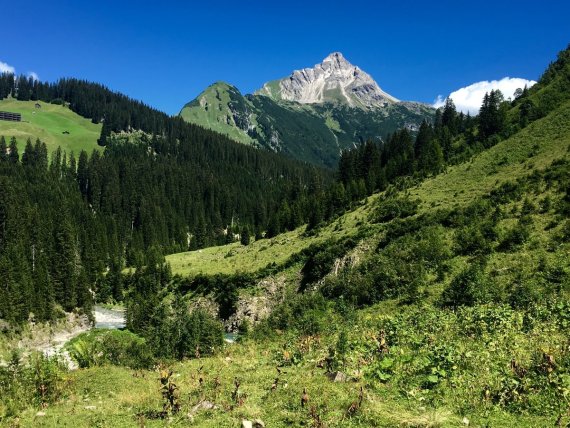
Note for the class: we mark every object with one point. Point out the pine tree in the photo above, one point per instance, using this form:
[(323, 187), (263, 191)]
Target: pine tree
[(492, 116), (449, 116), (244, 236), (29, 156), (3, 149), (13, 156)]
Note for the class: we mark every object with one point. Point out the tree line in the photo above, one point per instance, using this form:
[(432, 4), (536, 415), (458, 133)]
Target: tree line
[(69, 225), (453, 137)]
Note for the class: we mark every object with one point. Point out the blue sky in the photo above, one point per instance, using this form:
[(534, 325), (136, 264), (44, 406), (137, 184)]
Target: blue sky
[(164, 53)]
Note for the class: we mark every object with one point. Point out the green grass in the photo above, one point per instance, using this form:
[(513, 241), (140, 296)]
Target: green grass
[(534, 147), (218, 114), (113, 396), (48, 124), (232, 258)]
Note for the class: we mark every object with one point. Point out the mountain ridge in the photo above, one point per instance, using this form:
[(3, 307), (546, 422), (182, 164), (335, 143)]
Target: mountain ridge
[(312, 116), (334, 79)]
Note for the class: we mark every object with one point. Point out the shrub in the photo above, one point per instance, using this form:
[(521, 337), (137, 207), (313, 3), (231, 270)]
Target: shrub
[(393, 207), (321, 259), (468, 288), (515, 237), (196, 333), (304, 312), (470, 240), (39, 382), (116, 347)]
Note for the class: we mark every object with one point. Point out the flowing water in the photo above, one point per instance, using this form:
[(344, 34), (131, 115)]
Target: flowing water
[(104, 318), (109, 318)]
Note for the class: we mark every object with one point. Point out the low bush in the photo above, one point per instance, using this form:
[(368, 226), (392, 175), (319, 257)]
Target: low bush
[(116, 347), (394, 207)]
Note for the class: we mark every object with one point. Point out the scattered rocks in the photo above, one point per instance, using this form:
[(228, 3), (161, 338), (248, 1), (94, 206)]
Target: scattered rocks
[(202, 405), (206, 405), (246, 424), (41, 414), (338, 377), (90, 407)]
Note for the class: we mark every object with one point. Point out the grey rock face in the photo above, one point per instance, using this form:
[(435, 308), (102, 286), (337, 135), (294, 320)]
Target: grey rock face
[(333, 80)]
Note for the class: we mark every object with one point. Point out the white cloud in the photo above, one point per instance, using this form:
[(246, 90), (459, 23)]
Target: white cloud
[(469, 99), (33, 75), (5, 68)]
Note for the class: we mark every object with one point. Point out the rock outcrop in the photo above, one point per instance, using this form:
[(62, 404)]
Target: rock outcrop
[(333, 80)]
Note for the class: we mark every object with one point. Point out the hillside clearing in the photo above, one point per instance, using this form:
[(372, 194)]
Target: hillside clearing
[(55, 125)]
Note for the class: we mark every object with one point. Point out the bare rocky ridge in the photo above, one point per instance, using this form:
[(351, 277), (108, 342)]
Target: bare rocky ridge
[(333, 80)]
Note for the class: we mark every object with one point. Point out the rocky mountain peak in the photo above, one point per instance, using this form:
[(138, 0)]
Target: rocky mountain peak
[(335, 80)]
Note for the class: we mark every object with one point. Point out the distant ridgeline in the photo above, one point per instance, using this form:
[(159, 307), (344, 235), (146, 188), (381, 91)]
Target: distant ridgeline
[(69, 225)]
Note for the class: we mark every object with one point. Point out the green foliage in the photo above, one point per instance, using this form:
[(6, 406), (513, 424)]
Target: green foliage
[(305, 313), (473, 239), (321, 259), (224, 289), (470, 287), (102, 347), (38, 382), (390, 208), (399, 269), (515, 236), (169, 327), (195, 333)]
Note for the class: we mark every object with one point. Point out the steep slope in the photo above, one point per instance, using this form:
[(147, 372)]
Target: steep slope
[(533, 148), (223, 109), (311, 115), (315, 362), (333, 80), (55, 125)]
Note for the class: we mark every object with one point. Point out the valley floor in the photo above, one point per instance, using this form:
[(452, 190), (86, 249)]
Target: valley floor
[(119, 397)]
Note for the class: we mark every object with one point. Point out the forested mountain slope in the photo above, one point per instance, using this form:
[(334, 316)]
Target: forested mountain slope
[(67, 216), (440, 299), (311, 115)]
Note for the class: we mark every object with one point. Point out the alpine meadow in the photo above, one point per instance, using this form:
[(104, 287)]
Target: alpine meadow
[(312, 252)]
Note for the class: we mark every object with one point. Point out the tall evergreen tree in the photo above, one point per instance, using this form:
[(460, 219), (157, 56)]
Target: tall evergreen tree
[(13, 156), (3, 149)]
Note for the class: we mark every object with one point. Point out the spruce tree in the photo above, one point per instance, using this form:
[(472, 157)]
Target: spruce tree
[(244, 236), (13, 156), (3, 149)]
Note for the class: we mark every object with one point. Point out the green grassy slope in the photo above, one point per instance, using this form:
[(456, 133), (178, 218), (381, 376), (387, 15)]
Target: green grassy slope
[(48, 124), (217, 108), (485, 365), (534, 147), (233, 258), (312, 133)]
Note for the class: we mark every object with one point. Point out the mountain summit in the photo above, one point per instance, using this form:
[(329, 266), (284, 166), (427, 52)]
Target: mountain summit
[(312, 115), (335, 79)]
